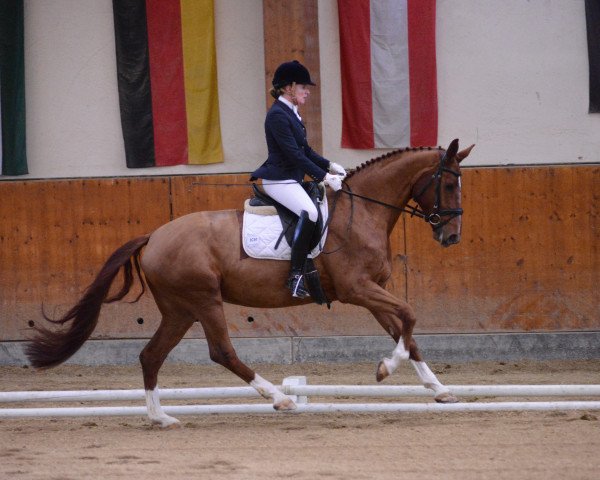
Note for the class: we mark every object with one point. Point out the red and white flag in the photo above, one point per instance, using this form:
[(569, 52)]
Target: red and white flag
[(388, 67)]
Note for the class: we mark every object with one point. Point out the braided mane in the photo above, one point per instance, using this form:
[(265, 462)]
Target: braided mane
[(373, 161)]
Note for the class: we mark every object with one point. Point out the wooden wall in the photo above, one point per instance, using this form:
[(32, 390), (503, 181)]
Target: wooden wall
[(529, 259), (291, 32)]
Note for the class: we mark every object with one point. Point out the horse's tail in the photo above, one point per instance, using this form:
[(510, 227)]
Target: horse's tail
[(49, 348)]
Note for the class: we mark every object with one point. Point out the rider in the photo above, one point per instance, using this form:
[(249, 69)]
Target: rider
[(290, 158)]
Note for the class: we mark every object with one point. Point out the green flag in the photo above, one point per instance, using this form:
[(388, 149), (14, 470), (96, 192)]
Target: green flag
[(13, 157)]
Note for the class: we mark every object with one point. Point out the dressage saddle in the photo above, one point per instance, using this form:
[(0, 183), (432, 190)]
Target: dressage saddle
[(288, 218)]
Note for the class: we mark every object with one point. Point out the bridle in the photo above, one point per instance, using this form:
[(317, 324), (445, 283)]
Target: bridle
[(436, 217)]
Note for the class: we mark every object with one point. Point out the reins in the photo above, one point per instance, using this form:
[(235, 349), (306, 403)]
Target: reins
[(348, 225), (434, 218), (411, 209)]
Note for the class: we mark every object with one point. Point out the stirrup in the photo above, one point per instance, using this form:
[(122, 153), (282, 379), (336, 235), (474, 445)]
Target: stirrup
[(296, 285)]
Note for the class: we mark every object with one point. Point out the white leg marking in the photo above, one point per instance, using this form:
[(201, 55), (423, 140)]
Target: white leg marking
[(280, 400), (428, 378), (155, 411), (399, 353)]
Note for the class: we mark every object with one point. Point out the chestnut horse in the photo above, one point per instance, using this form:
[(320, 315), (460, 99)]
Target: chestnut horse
[(192, 265)]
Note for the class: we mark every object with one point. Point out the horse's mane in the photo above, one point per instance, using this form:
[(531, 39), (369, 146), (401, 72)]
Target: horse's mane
[(375, 160)]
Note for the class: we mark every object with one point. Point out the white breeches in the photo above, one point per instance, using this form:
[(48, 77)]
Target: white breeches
[(292, 196)]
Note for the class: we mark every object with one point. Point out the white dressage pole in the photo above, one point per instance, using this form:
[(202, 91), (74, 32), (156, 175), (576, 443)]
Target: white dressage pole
[(297, 388), (460, 390), (302, 408), (304, 390), (122, 395)]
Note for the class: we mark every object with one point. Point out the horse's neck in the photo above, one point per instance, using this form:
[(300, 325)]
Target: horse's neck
[(390, 180)]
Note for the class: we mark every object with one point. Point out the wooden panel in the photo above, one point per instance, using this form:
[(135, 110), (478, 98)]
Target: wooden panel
[(291, 32), (529, 257), (196, 193), (55, 236)]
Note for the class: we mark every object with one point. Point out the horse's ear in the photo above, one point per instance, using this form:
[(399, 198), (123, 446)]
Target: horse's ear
[(460, 156), (452, 149)]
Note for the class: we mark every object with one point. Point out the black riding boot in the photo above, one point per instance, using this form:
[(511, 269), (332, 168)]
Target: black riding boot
[(300, 248)]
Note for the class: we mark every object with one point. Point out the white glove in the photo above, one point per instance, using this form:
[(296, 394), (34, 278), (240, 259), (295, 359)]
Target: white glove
[(334, 181), (337, 169)]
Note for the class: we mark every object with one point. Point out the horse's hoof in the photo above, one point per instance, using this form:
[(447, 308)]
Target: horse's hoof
[(382, 372), (285, 405), (168, 423), (446, 397), (172, 426)]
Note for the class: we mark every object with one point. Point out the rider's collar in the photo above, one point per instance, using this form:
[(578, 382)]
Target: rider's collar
[(293, 107)]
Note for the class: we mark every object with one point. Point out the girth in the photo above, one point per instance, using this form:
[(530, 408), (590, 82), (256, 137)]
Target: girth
[(288, 218)]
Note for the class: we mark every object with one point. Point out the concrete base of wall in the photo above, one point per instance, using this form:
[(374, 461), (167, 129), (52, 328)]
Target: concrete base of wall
[(455, 348)]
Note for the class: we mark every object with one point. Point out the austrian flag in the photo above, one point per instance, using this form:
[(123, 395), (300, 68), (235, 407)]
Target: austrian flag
[(388, 68)]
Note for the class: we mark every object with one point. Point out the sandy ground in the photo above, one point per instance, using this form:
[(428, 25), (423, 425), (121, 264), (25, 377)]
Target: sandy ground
[(514, 445)]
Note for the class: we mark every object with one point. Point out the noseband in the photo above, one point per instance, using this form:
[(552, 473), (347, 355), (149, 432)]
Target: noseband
[(435, 218)]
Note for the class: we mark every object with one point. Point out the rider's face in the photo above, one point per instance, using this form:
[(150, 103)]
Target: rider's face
[(298, 93)]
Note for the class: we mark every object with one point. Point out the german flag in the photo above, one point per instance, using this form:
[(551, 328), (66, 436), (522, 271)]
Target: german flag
[(167, 76)]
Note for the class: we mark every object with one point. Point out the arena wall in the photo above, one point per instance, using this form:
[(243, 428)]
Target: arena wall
[(528, 260), (512, 79)]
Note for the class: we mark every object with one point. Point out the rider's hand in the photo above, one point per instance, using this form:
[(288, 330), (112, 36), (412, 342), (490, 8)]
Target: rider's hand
[(337, 169), (334, 181)]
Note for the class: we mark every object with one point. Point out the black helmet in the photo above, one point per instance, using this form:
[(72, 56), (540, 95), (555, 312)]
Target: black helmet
[(290, 72)]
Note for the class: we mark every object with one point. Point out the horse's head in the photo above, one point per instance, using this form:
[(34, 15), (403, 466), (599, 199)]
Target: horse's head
[(438, 193)]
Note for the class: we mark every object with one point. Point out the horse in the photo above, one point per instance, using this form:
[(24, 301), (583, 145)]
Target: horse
[(192, 265)]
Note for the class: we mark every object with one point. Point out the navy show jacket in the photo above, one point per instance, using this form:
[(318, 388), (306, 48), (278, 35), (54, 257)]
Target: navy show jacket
[(290, 156)]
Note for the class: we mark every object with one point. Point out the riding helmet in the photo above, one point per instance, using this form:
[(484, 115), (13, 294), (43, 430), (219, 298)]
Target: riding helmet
[(291, 72)]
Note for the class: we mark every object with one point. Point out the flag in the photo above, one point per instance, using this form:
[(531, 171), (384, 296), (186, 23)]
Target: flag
[(167, 77), (592, 15), (388, 68), (13, 157)]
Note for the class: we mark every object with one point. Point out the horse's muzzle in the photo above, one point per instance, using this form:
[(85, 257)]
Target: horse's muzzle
[(451, 239)]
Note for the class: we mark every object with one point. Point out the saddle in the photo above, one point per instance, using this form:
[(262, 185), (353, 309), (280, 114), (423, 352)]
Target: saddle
[(260, 203), (263, 205)]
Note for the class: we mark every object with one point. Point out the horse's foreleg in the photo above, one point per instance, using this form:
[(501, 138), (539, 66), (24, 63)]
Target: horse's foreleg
[(441, 392), (169, 333), (222, 352), (394, 327), (396, 317)]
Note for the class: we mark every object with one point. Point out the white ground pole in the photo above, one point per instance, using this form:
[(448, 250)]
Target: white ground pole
[(300, 391)]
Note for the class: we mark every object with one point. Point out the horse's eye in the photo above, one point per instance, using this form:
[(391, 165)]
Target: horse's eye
[(449, 187)]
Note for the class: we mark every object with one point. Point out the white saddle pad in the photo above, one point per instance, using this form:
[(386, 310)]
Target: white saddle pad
[(261, 230)]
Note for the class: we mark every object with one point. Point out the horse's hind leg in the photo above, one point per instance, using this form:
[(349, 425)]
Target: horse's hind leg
[(169, 334), (222, 352), (393, 326)]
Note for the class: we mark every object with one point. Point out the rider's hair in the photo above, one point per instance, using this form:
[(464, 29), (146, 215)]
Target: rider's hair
[(276, 92)]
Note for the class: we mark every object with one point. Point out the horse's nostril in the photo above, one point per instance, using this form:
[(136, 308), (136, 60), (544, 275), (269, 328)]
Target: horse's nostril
[(453, 239)]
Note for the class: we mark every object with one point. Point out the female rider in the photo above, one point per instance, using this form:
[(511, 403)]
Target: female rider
[(290, 158)]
